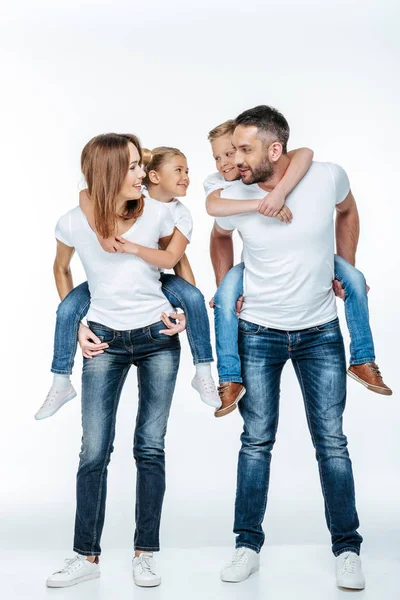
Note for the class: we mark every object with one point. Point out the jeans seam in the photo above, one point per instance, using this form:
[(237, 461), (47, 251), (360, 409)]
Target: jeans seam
[(349, 549), (230, 379), (85, 552), (247, 545), (362, 361), (295, 362), (120, 385), (152, 548)]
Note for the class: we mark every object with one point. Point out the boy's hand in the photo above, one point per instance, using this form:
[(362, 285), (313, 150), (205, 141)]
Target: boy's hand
[(90, 344), (173, 328), (272, 204)]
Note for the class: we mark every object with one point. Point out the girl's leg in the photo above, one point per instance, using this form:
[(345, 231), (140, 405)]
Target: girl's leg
[(70, 312), (226, 325), (187, 297), (362, 354)]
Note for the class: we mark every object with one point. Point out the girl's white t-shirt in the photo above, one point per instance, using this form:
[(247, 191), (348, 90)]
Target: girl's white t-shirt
[(125, 290), (180, 214)]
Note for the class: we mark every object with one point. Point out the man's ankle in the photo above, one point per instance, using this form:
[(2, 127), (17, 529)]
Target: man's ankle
[(93, 559)]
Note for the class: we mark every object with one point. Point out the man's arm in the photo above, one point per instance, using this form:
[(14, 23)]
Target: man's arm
[(347, 228), (221, 252)]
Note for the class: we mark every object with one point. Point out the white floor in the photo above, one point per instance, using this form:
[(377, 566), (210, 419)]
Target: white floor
[(287, 572)]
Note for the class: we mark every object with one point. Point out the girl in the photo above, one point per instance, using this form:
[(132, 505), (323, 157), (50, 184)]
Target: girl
[(166, 179), (125, 317)]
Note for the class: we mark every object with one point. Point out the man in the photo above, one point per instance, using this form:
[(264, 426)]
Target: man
[(289, 313)]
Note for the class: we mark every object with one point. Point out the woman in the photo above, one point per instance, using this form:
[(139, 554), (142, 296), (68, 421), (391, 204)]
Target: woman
[(124, 314)]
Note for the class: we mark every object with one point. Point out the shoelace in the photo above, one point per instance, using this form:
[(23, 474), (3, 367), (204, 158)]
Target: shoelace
[(51, 396), (209, 385), (70, 564), (375, 369), (222, 389), (349, 564), (144, 561), (240, 558)]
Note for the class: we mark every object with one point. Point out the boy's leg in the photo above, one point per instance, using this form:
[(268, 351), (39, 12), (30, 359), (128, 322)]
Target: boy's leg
[(362, 354), (70, 312)]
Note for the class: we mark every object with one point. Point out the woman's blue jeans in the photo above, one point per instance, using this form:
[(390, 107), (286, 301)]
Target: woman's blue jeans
[(178, 292), (319, 361), (156, 357), (226, 320)]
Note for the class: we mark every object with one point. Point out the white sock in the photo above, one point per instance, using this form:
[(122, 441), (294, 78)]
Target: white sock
[(203, 370), (61, 382)]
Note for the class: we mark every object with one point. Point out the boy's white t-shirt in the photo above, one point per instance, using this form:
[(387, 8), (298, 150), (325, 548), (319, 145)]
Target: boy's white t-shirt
[(125, 290), (289, 268), (214, 182)]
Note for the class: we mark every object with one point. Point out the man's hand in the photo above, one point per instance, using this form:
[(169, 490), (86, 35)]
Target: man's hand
[(90, 344), (272, 203), (239, 305), (339, 289), (173, 328)]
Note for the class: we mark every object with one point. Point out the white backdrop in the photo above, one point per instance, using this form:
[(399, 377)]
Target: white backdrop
[(169, 72)]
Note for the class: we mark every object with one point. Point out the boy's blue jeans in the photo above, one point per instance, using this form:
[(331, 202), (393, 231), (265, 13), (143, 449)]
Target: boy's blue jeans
[(226, 320), (319, 361), (156, 357), (178, 292)]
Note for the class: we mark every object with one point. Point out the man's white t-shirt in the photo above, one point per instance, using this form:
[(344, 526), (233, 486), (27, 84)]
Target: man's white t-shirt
[(125, 290), (289, 268)]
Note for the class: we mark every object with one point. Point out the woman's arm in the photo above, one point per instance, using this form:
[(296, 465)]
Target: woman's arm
[(61, 269), (224, 207), (164, 259)]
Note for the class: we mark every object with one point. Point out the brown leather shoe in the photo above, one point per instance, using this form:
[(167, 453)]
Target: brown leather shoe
[(230, 394), (368, 374)]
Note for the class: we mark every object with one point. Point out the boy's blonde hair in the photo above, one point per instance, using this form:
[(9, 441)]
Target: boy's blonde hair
[(226, 128)]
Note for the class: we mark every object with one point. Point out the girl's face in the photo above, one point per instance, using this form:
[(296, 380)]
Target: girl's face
[(132, 185), (172, 178), (224, 156)]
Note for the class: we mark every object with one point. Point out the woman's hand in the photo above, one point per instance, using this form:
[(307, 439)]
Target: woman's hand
[(172, 328), (90, 344)]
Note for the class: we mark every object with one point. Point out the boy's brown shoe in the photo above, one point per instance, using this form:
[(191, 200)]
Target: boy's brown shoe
[(230, 394), (368, 374)]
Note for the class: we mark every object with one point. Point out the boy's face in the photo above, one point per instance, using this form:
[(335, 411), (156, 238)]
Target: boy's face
[(224, 156)]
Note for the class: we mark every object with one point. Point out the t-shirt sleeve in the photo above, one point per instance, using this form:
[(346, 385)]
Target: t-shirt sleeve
[(225, 223), (184, 223), (214, 182), (63, 230), (166, 222), (341, 181)]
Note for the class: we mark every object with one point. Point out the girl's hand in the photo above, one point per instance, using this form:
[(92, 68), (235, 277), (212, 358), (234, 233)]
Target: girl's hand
[(90, 344), (272, 204), (125, 247), (108, 245), (172, 328)]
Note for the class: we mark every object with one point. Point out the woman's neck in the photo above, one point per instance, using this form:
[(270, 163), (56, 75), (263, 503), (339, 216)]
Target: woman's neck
[(157, 193)]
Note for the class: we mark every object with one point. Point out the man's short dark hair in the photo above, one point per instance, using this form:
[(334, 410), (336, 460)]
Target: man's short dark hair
[(267, 120)]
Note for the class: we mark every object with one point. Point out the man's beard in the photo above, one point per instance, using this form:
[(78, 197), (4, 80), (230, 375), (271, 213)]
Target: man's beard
[(262, 173)]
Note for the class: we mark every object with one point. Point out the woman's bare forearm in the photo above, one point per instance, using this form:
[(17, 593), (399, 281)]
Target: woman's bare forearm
[(63, 279)]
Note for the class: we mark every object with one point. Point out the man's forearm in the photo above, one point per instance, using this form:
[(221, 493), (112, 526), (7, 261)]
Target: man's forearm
[(347, 234), (221, 251)]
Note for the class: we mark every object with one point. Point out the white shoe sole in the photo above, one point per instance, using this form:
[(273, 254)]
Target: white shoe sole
[(145, 583), (253, 570), (372, 388), (62, 584), (40, 417), (216, 404), (355, 586)]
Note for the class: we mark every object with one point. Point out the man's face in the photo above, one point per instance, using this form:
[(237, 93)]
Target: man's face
[(251, 156), (224, 156)]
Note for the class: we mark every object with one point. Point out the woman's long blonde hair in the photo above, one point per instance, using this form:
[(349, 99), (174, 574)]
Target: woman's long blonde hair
[(105, 164)]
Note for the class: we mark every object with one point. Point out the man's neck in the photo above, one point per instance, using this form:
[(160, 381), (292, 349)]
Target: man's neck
[(280, 170)]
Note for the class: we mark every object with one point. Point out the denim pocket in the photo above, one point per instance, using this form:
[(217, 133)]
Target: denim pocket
[(105, 334), (160, 338), (328, 326), (248, 328)]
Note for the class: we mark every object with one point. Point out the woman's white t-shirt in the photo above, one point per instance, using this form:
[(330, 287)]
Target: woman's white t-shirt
[(125, 290)]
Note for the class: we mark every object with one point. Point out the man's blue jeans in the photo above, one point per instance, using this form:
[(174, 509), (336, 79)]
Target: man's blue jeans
[(319, 361), (178, 292), (156, 357), (226, 320)]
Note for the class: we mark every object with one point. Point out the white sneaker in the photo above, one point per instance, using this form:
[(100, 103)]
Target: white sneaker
[(244, 562), (55, 399), (145, 570), (76, 570), (207, 390), (349, 573)]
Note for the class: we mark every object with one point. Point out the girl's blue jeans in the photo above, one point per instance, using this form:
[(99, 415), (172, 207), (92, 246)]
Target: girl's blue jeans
[(226, 320), (178, 292)]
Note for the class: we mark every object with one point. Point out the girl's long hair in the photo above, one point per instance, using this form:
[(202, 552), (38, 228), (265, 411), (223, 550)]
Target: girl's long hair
[(105, 164)]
